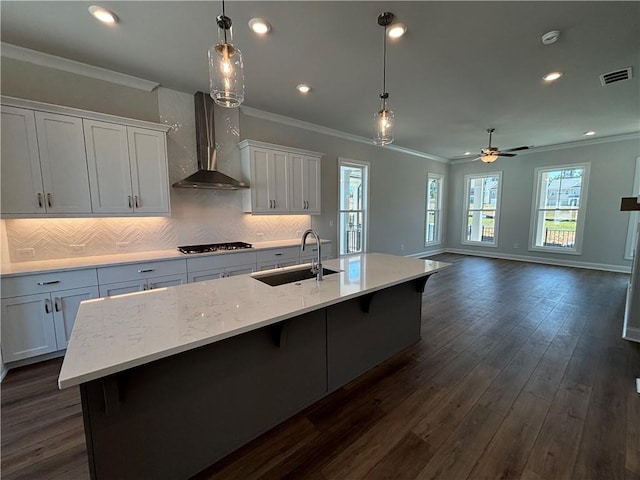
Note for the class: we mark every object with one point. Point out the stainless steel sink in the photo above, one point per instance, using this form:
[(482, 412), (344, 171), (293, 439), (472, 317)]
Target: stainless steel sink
[(289, 276)]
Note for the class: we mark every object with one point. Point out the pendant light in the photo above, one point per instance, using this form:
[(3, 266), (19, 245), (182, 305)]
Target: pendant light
[(226, 74), (384, 116)]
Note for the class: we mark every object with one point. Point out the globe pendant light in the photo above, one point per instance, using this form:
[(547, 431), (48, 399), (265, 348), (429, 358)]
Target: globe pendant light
[(226, 74), (384, 117)]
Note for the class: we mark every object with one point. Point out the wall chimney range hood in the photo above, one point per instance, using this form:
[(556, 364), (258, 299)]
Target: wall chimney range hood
[(207, 176)]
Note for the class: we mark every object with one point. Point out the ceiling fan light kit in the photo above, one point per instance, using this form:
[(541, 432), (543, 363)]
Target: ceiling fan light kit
[(226, 70), (491, 154), (384, 117)]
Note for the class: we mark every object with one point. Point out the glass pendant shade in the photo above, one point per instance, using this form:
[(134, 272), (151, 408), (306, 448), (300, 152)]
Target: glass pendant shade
[(226, 72), (489, 158), (383, 127)]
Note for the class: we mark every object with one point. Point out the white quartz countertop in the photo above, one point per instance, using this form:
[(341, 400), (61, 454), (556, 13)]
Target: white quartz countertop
[(58, 265), (113, 334)]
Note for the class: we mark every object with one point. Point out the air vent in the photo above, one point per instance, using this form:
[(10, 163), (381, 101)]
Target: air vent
[(617, 76)]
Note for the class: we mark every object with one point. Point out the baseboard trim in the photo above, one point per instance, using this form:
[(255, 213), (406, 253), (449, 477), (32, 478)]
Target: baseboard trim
[(426, 254), (546, 261)]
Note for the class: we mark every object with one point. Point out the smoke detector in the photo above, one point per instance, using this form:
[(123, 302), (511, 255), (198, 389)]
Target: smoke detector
[(550, 37)]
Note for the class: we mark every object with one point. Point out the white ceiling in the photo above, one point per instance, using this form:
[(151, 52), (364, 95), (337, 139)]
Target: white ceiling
[(462, 66)]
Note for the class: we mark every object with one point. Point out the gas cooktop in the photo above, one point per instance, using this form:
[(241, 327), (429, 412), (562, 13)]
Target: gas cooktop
[(214, 247)]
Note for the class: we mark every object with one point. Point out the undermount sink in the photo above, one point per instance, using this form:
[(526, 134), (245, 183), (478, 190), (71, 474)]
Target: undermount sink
[(289, 276)]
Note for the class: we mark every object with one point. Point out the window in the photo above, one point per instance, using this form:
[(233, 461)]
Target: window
[(354, 194), (482, 209), (434, 207), (559, 207)]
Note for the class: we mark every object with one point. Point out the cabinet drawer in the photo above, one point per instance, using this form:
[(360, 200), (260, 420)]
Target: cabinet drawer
[(278, 254), (123, 273), (47, 282), (212, 262)]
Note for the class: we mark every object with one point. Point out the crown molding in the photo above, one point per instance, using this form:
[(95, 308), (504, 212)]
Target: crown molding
[(22, 54), (292, 122), (560, 146)]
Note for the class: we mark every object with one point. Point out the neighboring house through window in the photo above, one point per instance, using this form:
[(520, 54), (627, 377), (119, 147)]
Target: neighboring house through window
[(559, 207), (433, 228), (354, 200), (482, 209)]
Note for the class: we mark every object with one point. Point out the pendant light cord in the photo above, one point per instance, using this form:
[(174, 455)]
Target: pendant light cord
[(224, 19), (384, 62)]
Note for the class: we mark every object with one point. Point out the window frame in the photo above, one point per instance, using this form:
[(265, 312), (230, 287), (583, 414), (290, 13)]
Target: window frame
[(634, 218), (366, 167), (465, 214), (580, 218), (438, 218)]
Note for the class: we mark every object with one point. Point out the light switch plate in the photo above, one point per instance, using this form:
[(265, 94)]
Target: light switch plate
[(26, 252)]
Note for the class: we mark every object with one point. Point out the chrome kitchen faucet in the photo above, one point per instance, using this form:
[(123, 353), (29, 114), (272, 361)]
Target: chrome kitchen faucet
[(316, 268)]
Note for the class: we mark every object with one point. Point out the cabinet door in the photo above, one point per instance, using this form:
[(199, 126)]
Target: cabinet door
[(239, 270), (27, 327), (64, 163), (269, 181), (65, 309), (120, 288), (206, 275), (167, 281), (108, 164), (21, 188), (149, 175), (304, 187)]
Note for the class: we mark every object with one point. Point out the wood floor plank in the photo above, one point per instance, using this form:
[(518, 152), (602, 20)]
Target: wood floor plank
[(554, 453), (404, 462), (457, 456)]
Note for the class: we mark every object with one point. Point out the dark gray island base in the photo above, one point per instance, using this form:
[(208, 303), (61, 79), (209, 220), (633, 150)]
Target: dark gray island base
[(174, 417)]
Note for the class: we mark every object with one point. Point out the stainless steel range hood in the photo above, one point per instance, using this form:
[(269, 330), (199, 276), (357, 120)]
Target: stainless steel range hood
[(207, 176)]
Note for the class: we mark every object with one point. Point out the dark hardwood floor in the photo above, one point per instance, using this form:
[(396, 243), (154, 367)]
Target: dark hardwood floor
[(520, 374)]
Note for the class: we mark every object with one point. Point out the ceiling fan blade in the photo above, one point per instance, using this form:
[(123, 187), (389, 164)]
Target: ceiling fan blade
[(477, 158), (516, 149), (502, 154)]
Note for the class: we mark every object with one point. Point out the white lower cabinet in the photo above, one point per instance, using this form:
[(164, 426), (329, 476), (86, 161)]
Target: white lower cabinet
[(212, 267), (137, 277), (41, 320), (278, 257)]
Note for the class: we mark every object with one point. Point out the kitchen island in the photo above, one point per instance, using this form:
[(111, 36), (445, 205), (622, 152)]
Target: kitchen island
[(174, 379)]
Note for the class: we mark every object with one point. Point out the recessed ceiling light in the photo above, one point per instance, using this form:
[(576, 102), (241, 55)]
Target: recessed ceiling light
[(550, 77), (259, 26), (590, 133), (104, 15), (303, 88), (396, 30)]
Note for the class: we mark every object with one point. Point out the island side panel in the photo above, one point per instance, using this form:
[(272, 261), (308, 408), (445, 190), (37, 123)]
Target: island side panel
[(364, 332), (174, 417)]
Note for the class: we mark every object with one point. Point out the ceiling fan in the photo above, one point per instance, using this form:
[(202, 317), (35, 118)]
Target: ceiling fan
[(491, 154)]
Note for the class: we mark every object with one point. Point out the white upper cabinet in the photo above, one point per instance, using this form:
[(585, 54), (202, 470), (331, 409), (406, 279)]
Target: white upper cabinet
[(305, 184), (44, 167), (21, 190), (108, 160), (64, 163), (60, 161), (127, 169), (149, 175), (282, 180)]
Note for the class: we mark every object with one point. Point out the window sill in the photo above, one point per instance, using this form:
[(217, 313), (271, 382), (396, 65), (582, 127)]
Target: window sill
[(481, 244), (433, 244), (563, 251)]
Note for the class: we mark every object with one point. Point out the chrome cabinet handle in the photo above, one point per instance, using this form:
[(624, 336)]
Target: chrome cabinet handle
[(130, 205), (56, 304), (144, 286), (40, 200), (278, 254), (137, 201), (47, 305), (270, 203), (151, 286), (49, 199), (52, 282), (146, 270)]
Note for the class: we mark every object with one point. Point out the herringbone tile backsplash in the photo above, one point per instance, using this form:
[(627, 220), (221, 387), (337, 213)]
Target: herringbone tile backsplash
[(197, 216)]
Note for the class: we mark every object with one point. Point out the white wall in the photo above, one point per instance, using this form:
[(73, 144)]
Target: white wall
[(611, 177)]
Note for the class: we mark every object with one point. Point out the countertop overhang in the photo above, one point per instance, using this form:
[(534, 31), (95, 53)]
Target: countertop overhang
[(114, 334)]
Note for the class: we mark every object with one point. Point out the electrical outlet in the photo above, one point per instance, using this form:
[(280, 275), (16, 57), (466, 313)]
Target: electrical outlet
[(331, 223), (78, 248), (120, 246), (259, 236), (402, 247), (26, 252), (516, 245)]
